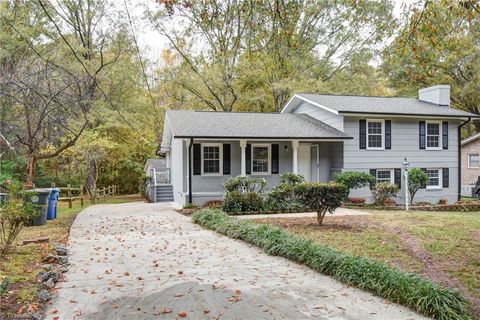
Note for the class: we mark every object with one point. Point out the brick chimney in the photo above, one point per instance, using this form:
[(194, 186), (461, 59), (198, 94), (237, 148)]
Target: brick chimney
[(439, 95)]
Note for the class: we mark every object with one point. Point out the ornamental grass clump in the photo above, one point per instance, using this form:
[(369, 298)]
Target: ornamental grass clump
[(390, 283)]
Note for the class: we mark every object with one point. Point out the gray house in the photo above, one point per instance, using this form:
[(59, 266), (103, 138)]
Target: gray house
[(317, 136)]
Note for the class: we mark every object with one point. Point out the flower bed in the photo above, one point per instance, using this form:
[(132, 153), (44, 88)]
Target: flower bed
[(455, 207)]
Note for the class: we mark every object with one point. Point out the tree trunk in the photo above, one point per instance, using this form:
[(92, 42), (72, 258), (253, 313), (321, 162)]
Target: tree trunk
[(32, 166), (92, 177), (320, 216)]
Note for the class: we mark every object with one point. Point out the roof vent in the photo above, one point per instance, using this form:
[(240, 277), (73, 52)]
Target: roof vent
[(439, 95)]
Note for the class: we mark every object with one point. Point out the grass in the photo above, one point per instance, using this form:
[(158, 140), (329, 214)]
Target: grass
[(23, 263), (398, 286)]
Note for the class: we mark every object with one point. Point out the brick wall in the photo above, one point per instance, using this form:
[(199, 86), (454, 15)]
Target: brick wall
[(470, 175)]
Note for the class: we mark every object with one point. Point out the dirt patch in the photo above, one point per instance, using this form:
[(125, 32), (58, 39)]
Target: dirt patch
[(309, 223)]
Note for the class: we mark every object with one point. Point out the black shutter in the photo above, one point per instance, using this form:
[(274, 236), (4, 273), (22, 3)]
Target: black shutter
[(445, 135), (373, 172), (388, 134), (248, 158), (421, 134), (226, 158), (363, 134), (275, 163), (398, 178), (197, 159), (446, 177), (424, 185)]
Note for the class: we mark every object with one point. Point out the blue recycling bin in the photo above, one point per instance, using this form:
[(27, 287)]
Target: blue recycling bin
[(52, 204)]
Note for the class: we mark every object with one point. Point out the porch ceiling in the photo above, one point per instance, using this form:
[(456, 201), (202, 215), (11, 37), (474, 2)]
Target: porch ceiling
[(248, 125)]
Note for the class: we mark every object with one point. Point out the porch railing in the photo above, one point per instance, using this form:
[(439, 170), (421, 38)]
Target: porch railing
[(160, 176)]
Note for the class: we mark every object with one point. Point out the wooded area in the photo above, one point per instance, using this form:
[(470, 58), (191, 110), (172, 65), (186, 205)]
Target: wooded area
[(82, 102)]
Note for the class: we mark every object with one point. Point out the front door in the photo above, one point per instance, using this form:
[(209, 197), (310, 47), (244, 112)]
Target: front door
[(305, 162)]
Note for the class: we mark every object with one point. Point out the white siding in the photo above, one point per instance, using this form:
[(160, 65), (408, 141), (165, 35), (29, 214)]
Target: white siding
[(320, 114), (177, 170)]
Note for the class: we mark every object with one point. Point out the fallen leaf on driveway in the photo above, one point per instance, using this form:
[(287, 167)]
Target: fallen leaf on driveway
[(166, 310), (182, 314)]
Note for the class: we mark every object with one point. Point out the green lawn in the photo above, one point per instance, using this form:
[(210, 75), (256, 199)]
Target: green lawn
[(411, 241), (23, 263)]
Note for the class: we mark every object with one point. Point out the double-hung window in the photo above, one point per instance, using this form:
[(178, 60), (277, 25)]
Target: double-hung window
[(211, 159), (433, 134), (261, 155), (433, 178), (474, 160), (385, 176), (375, 134)]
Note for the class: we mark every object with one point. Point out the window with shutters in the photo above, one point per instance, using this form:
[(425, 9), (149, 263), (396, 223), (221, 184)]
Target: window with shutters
[(474, 160), (375, 134), (434, 178), (261, 158), (385, 175), (212, 158), (433, 134)]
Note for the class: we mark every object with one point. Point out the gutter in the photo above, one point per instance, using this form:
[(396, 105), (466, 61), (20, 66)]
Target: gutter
[(459, 138), (190, 172)]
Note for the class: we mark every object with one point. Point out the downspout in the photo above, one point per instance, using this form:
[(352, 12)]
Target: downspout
[(459, 137), (190, 171)]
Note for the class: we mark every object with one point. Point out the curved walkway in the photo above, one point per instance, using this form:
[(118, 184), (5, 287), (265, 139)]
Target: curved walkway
[(146, 261)]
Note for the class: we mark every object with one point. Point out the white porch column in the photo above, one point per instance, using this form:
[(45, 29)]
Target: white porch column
[(243, 163), (295, 156)]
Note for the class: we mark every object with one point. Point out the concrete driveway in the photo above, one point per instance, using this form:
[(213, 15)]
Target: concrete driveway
[(146, 261)]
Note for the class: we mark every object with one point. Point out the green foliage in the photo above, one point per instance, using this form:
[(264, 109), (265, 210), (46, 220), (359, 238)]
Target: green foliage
[(395, 285), (321, 197), (355, 179), (235, 201), (4, 286), (282, 198), (245, 184), (384, 191), (417, 179), (291, 178), (14, 215)]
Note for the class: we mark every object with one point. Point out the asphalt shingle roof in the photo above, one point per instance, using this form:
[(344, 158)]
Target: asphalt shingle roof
[(383, 105), (204, 124)]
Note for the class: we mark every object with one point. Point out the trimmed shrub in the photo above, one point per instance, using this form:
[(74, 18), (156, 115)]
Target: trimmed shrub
[(235, 201), (355, 179), (381, 192), (291, 178), (245, 184), (282, 198), (390, 283), (321, 197), (417, 179)]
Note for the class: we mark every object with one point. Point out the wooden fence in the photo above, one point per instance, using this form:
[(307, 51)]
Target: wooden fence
[(70, 194)]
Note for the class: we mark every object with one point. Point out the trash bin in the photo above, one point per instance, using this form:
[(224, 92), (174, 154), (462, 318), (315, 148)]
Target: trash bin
[(52, 204), (3, 198), (39, 198)]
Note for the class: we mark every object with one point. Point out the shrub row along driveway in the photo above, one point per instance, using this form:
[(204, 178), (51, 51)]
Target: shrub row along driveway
[(138, 261)]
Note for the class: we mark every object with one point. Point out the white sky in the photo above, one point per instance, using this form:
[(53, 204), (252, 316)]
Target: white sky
[(152, 43)]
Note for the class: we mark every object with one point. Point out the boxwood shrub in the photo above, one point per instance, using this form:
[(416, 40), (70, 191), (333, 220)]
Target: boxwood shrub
[(408, 289)]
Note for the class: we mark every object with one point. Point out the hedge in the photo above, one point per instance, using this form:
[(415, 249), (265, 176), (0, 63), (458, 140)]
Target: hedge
[(398, 286)]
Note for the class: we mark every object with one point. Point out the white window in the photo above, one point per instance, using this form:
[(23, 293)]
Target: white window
[(375, 134), (434, 132), (474, 160), (433, 178), (212, 158), (261, 155), (384, 175)]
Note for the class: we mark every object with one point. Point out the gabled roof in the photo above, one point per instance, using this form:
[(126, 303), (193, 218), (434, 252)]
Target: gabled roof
[(470, 139), (205, 124), (340, 104)]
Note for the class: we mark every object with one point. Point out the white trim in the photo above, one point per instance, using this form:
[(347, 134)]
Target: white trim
[(468, 160), (309, 101), (420, 116), (286, 139), (440, 179), (440, 136), (470, 139), (262, 145), (220, 159), (392, 175), (382, 121)]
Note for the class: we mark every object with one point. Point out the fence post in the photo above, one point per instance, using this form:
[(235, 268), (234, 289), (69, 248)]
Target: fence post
[(69, 195)]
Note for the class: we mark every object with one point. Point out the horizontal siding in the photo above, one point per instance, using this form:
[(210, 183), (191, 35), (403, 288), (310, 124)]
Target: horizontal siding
[(405, 143), (320, 114)]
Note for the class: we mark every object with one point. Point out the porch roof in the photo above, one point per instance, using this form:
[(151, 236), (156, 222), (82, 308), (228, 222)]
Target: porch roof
[(205, 124)]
